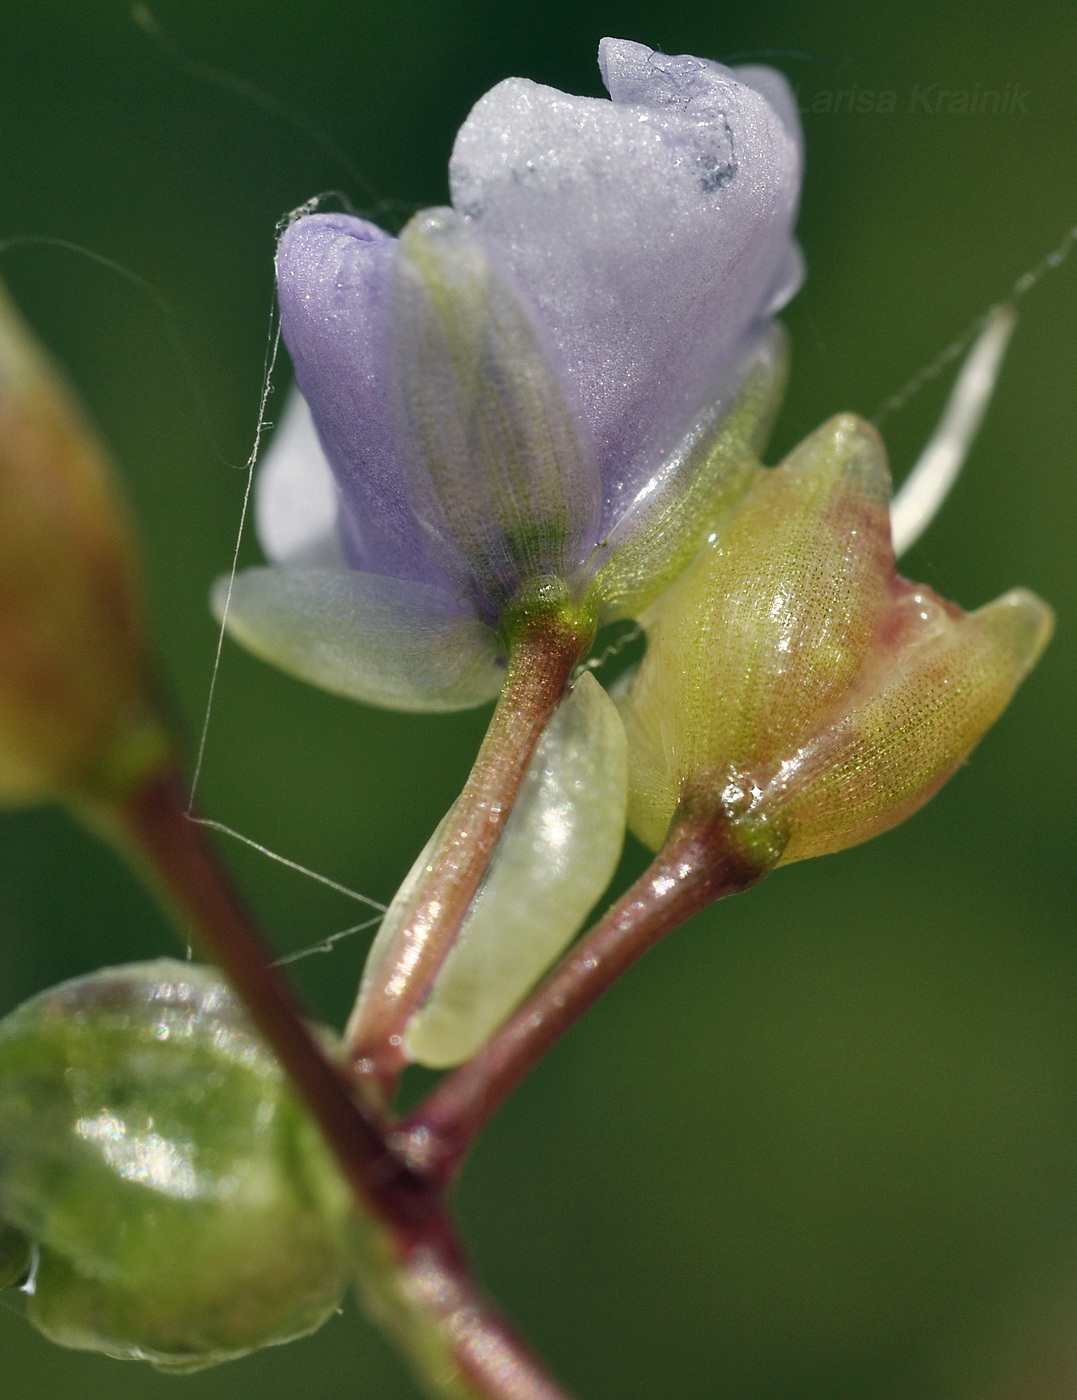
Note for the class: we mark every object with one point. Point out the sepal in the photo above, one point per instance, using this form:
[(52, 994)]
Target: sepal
[(498, 468), (555, 857), (767, 628), (387, 641), (795, 686), (695, 486), (938, 680)]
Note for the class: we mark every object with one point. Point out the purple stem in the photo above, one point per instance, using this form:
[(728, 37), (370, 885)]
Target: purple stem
[(701, 861)]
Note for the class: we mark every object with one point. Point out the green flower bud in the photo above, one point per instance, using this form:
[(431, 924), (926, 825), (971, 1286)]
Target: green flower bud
[(795, 682), (74, 710), (183, 1207)]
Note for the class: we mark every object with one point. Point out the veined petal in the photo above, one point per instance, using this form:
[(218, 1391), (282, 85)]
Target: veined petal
[(296, 508), (498, 471), (651, 233), (334, 275), (763, 634), (676, 509), (556, 856), (387, 641), (939, 681)]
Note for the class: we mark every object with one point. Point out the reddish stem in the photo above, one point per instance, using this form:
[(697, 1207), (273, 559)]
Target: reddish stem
[(432, 1282), (430, 1274), (540, 665), (155, 825), (700, 862)]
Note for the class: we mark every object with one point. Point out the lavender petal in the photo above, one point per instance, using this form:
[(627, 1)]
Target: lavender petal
[(652, 233), (333, 276)]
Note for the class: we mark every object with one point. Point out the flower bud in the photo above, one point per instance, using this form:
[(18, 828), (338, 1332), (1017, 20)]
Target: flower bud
[(182, 1206), (74, 713), (794, 681)]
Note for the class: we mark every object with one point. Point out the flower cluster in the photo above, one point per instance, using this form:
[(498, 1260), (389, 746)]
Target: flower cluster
[(535, 411), (555, 385)]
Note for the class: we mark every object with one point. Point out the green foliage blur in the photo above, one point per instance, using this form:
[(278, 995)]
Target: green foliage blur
[(823, 1143)]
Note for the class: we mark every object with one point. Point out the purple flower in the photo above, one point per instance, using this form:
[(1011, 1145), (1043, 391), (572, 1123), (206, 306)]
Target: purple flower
[(557, 383)]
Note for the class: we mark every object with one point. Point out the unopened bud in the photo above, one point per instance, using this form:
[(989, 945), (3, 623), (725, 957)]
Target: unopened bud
[(74, 713), (796, 683), (182, 1206)]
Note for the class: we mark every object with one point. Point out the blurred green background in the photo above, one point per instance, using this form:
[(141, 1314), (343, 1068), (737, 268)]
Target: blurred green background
[(824, 1142)]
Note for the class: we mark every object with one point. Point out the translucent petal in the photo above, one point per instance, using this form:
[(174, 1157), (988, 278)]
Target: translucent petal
[(675, 510), (758, 639), (774, 86), (651, 233), (933, 690), (557, 854), (391, 642), (295, 493), (498, 469)]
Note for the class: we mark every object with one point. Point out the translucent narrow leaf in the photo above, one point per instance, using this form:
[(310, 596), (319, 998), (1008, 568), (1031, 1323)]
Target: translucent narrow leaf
[(387, 641), (557, 855), (498, 471), (694, 486), (929, 483)]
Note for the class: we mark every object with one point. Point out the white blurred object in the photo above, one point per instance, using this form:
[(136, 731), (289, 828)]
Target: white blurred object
[(928, 484), (295, 494)]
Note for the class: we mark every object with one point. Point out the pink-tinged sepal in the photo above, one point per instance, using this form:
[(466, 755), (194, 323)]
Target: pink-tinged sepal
[(767, 628), (935, 682), (795, 685)]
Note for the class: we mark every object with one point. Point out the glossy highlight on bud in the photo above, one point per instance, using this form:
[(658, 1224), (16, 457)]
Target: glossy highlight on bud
[(75, 717), (794, 681), (182, 1207)]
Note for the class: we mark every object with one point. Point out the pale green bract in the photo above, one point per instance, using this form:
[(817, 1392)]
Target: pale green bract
[(385, 641), (557, 854)]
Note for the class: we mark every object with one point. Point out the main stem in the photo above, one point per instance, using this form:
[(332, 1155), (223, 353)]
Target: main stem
[(460, 1346), (541, 661), (153, 825), (701, 861)]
